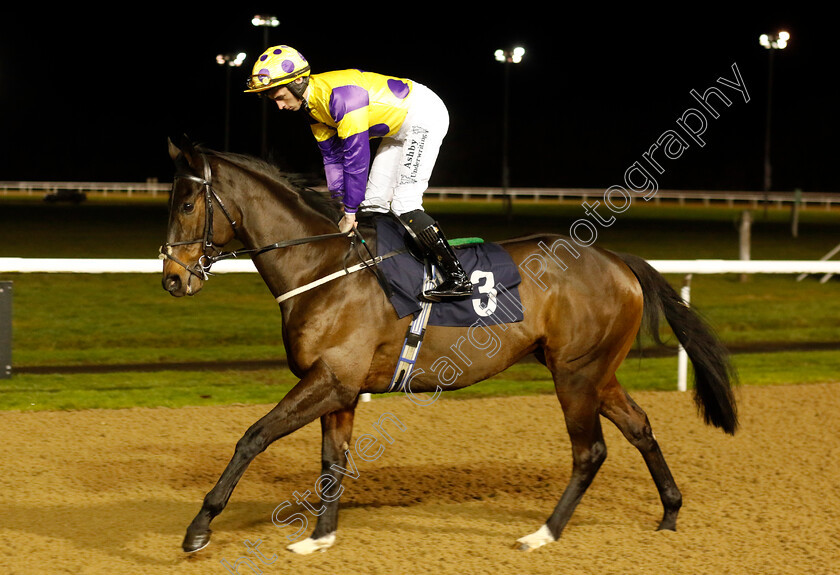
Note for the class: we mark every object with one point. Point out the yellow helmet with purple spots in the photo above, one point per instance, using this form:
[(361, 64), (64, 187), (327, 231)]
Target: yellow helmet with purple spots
[(277, 66)]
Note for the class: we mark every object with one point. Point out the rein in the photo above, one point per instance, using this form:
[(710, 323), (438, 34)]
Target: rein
[(212, 254)]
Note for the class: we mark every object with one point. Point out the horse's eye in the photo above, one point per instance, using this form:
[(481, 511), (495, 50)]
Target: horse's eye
[(188, 207)]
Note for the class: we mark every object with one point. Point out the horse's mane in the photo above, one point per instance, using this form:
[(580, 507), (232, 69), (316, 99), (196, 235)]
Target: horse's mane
[(298, 183)]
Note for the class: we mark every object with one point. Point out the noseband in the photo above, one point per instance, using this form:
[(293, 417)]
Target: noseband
[(211, 252)]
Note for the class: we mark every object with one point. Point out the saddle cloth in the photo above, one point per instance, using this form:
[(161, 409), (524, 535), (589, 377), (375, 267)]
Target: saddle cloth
[(490, 268)]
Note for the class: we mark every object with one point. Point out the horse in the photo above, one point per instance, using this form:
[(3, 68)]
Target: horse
[(343, 338)]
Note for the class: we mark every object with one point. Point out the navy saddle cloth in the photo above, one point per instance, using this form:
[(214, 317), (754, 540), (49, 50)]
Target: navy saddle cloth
[(490, 268)]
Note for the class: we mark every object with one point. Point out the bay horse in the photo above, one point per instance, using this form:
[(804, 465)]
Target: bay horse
[(343, 338)]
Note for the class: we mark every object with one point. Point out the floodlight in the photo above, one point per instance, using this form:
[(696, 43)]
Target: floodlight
[(265, 20), (774, 41)]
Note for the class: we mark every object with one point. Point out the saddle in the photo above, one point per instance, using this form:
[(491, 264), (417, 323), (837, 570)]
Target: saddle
[(489, 266)]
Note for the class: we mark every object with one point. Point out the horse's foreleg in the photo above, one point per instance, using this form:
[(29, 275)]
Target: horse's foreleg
[(619, 408), (318, 393), (336, 429), (580, 408)]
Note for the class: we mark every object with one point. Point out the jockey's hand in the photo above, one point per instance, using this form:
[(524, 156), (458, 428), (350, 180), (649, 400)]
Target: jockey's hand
[(347, 223)]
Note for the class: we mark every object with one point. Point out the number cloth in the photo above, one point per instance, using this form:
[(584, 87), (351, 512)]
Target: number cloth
[(493, 274)]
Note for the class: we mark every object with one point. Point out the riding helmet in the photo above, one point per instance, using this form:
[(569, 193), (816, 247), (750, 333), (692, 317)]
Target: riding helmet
[(277, 66)]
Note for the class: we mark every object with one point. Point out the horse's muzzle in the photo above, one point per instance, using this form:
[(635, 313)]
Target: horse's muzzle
[(179, 281)]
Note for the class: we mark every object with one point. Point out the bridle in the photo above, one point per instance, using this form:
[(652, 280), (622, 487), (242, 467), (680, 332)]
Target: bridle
[(211, 252)]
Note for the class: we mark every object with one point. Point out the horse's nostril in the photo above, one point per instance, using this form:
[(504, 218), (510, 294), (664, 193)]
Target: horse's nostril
[(172, 283)]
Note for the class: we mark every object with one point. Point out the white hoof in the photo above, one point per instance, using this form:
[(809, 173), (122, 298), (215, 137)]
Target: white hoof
[(535, 540), (310, 545)]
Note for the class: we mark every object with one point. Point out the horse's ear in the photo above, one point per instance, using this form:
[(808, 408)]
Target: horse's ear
[(186, 149), (174, 152)]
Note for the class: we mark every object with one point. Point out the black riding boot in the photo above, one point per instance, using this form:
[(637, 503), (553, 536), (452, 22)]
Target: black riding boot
[(455, 284)]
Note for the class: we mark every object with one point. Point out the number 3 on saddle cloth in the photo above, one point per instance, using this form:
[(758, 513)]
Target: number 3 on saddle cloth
[(491, 270)]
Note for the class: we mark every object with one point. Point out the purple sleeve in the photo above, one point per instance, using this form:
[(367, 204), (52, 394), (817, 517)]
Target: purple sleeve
[(356, 164), (333, 153), (356, 146)]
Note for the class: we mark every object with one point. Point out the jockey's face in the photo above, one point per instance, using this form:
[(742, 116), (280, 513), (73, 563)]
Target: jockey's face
[(284, 99)]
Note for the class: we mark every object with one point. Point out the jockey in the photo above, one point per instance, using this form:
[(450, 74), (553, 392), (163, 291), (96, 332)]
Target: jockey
[(347, 109)]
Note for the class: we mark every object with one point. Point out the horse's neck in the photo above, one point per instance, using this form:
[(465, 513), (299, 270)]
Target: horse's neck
[(274, 214)]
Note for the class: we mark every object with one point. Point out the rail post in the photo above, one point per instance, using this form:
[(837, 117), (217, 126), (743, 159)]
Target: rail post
[(794, 213), (682, 356), (744, 240), (5, 329)]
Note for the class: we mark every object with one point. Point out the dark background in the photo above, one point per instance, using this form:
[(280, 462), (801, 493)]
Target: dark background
[(93, 95)]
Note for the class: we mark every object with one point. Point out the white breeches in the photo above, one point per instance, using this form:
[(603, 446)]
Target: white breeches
[(403, 163)]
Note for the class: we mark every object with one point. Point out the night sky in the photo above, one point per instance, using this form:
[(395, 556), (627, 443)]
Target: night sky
[(85, 98)]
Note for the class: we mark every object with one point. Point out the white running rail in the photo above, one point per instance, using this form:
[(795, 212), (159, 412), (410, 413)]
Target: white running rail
[(686, 268)]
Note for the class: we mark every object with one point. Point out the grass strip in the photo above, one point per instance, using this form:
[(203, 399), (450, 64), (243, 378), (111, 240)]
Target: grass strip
[(173, 389)]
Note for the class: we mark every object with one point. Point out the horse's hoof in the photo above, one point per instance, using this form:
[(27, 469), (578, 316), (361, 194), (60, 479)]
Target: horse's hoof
[(669, 517), (535, 540), (196, 541), (310, 545)]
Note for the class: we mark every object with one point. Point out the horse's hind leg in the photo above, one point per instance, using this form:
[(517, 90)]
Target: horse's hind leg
[(336, 429), (318, 393), (619, 408), (580, 409)]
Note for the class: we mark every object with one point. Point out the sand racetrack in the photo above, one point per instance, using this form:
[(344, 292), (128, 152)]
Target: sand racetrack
[(112, 492)]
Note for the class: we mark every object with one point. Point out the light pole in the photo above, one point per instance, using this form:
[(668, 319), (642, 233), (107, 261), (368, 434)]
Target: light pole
[(265, 22), (229, 61), (507, 57), (771, 42)]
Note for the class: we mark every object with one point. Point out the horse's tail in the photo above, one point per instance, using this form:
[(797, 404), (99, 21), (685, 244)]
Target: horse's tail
[(714, 375)]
